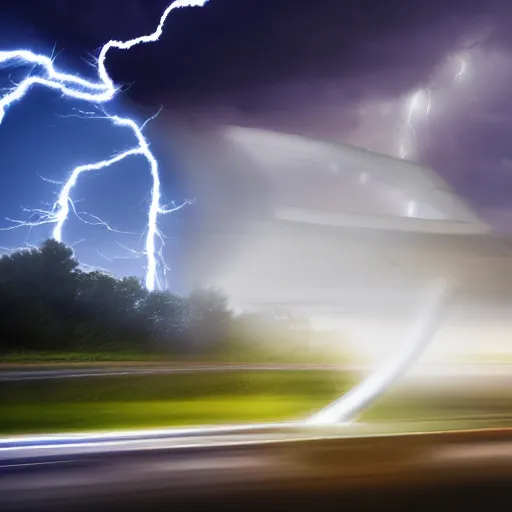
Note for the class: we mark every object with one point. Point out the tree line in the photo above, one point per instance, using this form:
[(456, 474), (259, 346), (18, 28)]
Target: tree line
[(48, 303)]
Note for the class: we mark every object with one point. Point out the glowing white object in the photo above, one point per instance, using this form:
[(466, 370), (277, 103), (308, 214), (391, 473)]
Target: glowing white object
[(73, 86)]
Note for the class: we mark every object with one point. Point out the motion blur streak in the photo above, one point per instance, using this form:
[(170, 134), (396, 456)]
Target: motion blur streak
[(47, 441), (101, 92), (349, 405)]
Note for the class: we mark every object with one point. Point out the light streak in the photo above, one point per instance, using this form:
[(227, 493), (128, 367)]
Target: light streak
[(95, 93), (351, 404), (96, 221), (414, 105)]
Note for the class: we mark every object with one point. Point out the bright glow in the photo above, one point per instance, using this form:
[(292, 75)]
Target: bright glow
[(350, 405), (73, 86)]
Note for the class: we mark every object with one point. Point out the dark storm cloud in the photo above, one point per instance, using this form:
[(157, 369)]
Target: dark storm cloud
[(232, 45)]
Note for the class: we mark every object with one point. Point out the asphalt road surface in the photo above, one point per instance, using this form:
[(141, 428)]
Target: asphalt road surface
[(270, 467), (66, 373)]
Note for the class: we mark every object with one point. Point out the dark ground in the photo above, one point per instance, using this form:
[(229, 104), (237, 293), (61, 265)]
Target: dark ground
[(449, 471)]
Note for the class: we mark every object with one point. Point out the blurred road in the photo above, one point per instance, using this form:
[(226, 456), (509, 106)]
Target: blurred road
[(278, 467), (8, 374), (65, 373)]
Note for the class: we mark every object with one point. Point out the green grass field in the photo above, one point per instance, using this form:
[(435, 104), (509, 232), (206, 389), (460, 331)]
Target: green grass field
[(164, 400)]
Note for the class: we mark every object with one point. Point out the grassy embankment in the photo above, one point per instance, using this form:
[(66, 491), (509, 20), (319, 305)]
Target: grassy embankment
[(106, 403)]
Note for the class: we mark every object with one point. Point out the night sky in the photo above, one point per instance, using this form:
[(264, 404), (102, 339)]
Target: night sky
[(343, 70)]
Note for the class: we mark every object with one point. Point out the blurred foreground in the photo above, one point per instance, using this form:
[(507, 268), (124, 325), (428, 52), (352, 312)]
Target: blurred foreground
[(271, 468)]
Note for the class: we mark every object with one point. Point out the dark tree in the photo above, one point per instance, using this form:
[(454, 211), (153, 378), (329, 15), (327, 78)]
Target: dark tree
[(37, 292)]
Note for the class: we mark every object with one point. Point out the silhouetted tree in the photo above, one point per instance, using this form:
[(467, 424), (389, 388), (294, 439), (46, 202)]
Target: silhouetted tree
[(37, 292)]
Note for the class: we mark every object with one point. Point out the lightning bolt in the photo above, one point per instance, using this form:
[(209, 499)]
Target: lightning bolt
[(412, 109), (96, 93), (415, 104)]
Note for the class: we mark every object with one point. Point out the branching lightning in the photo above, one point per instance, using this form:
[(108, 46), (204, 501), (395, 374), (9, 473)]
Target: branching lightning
[(95, 93)]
